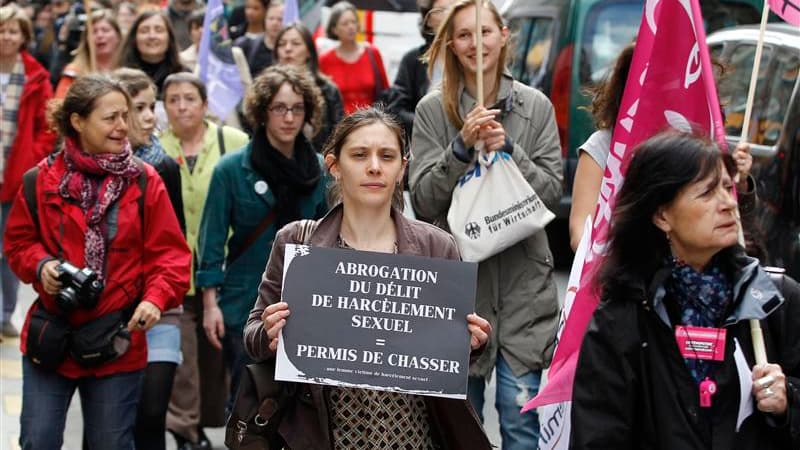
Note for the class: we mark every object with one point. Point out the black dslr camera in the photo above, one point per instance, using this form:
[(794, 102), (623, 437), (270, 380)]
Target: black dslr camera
[(79, 287)]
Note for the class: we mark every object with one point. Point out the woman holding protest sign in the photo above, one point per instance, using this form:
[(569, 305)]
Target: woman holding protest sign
[(366, 157), (674, 273), (277, 178), (516, 291)]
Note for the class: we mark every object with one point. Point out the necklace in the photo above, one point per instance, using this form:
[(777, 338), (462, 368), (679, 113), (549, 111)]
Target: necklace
[(341, 243)]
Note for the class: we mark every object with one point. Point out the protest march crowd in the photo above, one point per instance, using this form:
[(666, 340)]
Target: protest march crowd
[(154, 234)]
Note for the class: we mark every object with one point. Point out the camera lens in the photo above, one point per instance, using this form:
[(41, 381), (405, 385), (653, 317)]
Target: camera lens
[(67, 299)]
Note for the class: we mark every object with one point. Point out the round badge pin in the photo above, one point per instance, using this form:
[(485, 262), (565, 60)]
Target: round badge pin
[(260, 187)]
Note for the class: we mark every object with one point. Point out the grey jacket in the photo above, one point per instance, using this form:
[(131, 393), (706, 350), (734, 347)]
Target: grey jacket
[(516, 291)]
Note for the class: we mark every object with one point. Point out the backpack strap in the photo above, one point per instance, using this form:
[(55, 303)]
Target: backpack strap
[(29, 190), (142, 181), (221, 140)]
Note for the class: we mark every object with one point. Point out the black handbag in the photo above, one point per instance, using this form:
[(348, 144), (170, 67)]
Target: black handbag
[(48, 338), (101, 340), (262, 401), (260, 405)]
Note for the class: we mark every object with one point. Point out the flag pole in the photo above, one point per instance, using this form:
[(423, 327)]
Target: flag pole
[(759, 350), (479, 51), (751, 91), (89, 36)]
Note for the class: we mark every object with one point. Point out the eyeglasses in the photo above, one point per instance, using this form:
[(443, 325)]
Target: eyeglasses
[(281, 110)]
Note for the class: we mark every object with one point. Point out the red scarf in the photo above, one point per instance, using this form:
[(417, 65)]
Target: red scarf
[(96, 181)]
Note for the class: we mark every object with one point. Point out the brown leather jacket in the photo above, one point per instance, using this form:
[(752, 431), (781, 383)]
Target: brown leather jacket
[(307, 425)]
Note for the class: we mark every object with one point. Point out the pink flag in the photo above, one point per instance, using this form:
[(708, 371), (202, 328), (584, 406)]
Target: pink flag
[(789, 10), (670, 84)]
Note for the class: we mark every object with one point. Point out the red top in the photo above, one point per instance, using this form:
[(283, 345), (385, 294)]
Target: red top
[(33, 140), (150, 264), (356, 81)]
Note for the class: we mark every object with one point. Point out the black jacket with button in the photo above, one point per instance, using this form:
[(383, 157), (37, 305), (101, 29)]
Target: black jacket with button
[(633, 391)]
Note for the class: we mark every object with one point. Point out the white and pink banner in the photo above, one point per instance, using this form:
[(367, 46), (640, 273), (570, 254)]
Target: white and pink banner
[(789, 10), (670, 85)]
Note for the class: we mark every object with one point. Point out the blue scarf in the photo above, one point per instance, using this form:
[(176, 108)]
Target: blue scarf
[(703, 299), (152, 154)]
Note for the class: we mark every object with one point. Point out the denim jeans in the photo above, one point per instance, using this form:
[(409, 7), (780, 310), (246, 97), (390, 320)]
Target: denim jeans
[(236, 358), (9, 283), (108, 405), (519, 431)]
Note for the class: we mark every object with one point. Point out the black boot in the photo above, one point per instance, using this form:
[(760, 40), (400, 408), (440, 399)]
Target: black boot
[(203, 443), (182, 443)]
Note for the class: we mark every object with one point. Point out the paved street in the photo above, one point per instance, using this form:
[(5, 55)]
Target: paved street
[(11, 392)]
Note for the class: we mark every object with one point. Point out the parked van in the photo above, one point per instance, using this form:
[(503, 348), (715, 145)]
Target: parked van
[(562, 47), (774, 129)]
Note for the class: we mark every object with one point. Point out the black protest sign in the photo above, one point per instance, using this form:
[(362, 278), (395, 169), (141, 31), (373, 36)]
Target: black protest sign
[(376, 320)]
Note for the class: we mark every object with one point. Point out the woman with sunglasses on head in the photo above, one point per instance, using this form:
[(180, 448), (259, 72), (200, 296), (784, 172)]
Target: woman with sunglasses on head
[(516, 289), (295, 46), (276, 179), (366, 156)]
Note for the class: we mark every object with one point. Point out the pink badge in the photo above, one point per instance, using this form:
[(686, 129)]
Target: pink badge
[(700, 342)]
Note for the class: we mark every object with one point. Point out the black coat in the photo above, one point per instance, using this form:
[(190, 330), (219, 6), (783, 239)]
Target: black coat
[(170, 172), (258, 55), (331, 114), (633, 391), (410, 85)]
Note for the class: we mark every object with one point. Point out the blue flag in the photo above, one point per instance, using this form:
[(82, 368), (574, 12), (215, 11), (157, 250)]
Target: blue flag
[(291, 12), (217, 67)]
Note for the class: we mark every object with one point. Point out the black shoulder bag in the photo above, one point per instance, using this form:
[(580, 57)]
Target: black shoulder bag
[(262, 401)]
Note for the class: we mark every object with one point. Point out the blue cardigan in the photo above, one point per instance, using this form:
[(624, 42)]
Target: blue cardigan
[(232, 212)]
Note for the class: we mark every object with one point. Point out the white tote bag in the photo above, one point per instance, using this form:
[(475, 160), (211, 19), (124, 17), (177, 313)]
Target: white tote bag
[(494, 207)]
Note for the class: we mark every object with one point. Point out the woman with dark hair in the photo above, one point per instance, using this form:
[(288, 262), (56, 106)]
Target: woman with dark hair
[(277, 178), (97, 209), (355, 67), (516, 289), (259, 49), (164, 339), (676, 284), (367, 157), (606, 98), (151, 47), (24, 134), (412, 82), (106, 37), (295, 46)]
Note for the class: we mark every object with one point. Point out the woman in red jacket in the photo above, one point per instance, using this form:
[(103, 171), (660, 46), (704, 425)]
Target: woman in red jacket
[(99, 209), (24, 137), (355, 67)]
